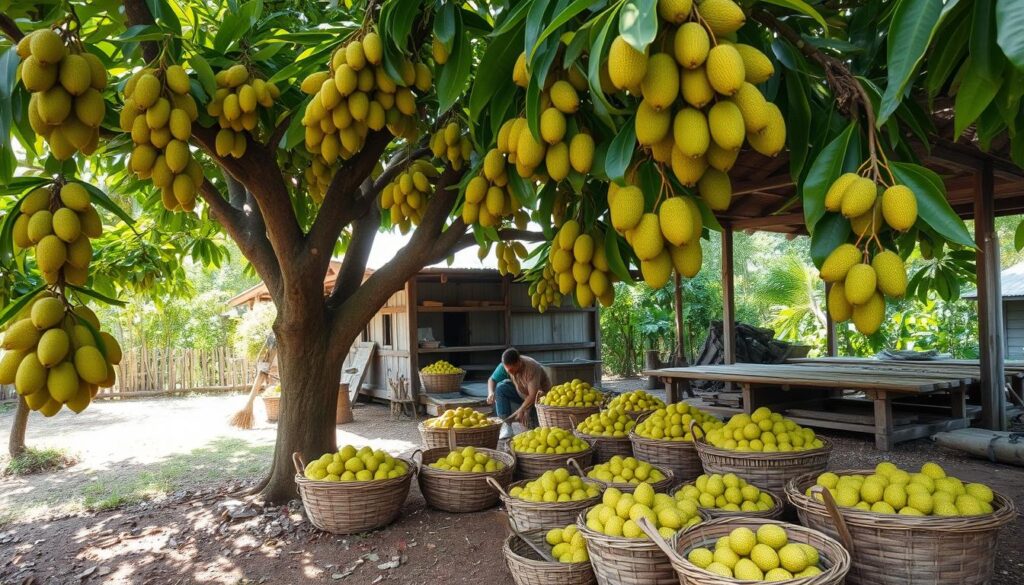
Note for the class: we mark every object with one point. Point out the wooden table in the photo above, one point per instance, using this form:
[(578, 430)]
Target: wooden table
[(801, 391)]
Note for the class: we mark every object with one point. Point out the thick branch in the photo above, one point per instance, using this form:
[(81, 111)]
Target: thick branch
[(138, 13), (396, 166), (353, 266), (237, 193), (10, 28)]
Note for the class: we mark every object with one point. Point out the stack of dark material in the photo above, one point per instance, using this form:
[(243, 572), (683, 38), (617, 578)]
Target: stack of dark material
[(754, 345)]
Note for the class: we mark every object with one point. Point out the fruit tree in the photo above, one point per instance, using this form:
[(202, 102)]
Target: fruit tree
[(609, 127)]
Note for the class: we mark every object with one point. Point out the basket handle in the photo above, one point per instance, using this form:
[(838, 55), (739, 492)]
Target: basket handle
[(417, 458), (572, 421), (694, 427), (656, 538), (571, 462), (544, 554), (451, 439), (497, 486), (299, 462), (837, 517)]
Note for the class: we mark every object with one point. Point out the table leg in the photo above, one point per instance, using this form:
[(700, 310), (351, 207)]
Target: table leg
[(958, 402), (748, 398), (883, 420), (671, 390)]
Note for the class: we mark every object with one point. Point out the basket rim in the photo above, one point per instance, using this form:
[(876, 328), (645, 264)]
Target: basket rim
[(1002, 514), (303, 481), (669, 479), (423, 467), (495, 421), (503, 493), (777, 501), (645, 543), (568, 409), (540, 564), (588, 437), (703, 447), (549, 456), (633, 437)]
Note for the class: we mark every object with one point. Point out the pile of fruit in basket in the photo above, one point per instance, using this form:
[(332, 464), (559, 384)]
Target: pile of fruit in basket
[(765, 555), (351, 464), (442, 367), (672, 423), (891, 490), (576, 393), (725, 492), (557, 485), (459, 418), (620, 469), (550, 440), (468, 459), (636, 401), (618, 513), (612, 422), (567, 545), (764, 431)]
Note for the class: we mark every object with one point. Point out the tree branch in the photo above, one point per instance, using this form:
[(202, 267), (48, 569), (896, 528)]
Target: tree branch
[(137, 13), (445, 247), (10, 28), (396, 166), (353, 266)]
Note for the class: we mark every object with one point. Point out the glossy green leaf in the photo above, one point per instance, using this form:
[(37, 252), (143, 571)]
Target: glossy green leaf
[(620, 151), (11, 310), (823, 172), (638, 23), (1010, 27), (932, 205), (495, 67), (453, 76), (100, 198), (832, 230), (445, 26), (802, 7), (614, 255), (1018, 237), (910, 33), (204, 72), (98, 296), (560, 19), (975, 94), (798, 124)]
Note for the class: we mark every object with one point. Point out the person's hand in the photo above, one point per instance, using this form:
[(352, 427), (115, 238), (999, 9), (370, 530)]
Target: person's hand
[(490, 398), (522, 416)]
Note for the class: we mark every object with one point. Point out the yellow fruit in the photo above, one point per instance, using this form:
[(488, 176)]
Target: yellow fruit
[(726, 124), (891, 273), (530, 151), (564, 97), (656, 271), (757, 66), (373, 48), (660, 85), (31, 375), (695, 87), (742, 541), (652, 125), (753, 107), (674, 11), (146, 91), (839, 308), (772, 139), (51, 253), (90, 107), (724, 68), (47, 46), (62, 382), (719, 569), (53, 347), (688, 170), (859, 197), (552, 125), (626, 66), (40, 225), (439, 51), (792, 558), (701, 557), (627, 209), (860, 284), (21, 335), (687, 259), (722, 16), (839, 262), (66, 224), (747, 569), (54, 105), (715, 189), (834, 195), (676, 223), (691, 45), (868, 317), (581, 152), (772, 535), (38, 76), (899, 207), (90, 364), (9, 363), (690, 132), (568, 233), (647, 239)]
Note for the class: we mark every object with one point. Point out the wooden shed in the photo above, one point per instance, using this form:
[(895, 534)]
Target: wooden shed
[(1011, 281)]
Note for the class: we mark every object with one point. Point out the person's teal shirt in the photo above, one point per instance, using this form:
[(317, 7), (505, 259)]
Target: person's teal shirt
[(499, 375)]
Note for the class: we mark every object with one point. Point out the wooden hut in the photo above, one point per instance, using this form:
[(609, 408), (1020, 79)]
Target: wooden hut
[(1011, 282)]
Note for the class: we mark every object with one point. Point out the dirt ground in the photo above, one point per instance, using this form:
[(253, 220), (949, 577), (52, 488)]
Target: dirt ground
[(194, 530)]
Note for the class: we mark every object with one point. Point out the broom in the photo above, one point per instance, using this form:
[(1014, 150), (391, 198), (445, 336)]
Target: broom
[(243, 419)]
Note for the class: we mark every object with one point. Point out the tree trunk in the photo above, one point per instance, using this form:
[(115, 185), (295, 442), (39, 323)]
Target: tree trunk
[(16, 444), (310, 372)]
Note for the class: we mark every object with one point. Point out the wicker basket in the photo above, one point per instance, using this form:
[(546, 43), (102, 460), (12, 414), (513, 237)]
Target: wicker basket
[(891, 549), (272, 404), (461, 491), (604, 447), (533, 465), (527, 515), (627, 488), (835, 561), (679, 456), (485, 437), (563, 416), (352, 507), (528, 568), (778, 507), (440, 383), (626, 561), (768, 471)]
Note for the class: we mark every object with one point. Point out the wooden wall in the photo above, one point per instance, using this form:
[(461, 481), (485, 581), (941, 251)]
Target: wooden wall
[(389, 359), (1013, 313)]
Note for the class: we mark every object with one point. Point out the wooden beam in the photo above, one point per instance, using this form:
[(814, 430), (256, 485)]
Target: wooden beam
[(832, 341), (765, 185), (677, 298), (412, 316), (728, 297), (790, 220), (990, 306)]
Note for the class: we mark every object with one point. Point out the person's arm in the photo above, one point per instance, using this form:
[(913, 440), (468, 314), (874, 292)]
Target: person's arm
[(491, 389), (522, 414)]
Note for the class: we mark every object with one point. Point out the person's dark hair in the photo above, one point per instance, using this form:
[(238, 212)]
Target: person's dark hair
[(510, 357)]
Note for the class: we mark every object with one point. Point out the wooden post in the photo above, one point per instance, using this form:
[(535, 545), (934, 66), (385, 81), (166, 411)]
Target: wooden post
[(832, 340), (412, 316), (678, 306), (728, 298), (990, 301)]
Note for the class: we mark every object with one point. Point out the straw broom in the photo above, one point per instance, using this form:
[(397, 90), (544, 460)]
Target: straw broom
[(243, 419)]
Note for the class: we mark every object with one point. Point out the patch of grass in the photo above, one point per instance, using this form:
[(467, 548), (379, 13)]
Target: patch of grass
[(8, 406), (39, 461)]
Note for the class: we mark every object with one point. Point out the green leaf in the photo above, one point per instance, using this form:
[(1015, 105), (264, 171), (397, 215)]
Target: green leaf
[(534, 21), (910, 33), (164, 15), (638, 23), (798, 123), (101, 199), (620, 152), (445, 27), (563, 17), (454, 74), (22, 186), (11, 310), (932, 205), (1018, 237), (494, 69), (800, 6), (8, 158), (99, 297), (708, 217), (614, 256), (832, 230), (976, 92), (1010, 26), (825, 169), (602, 108), (205, 73)]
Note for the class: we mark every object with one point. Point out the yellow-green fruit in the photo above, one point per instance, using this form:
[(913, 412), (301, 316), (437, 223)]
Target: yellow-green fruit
[(37, 400), (53, 347), (899, 207), (355, 56), (868, 222), (31, 375), (688, 170), (9, 365), (439, 51), (687, 258), (839, 262), (695, 87), (37, 76), (626, 65), (839, 308), (552, 125), (557, 161), (691, 45), (675, 220), (147, 91), (723, 17), (753, 107), (83, 396), (581, 152), (583, 248), (891, 273), (772, 139), (674, 11), (747, 570), (54, 105), (868, 316), (647, 239), (62, 382), (652, 125), (568, 233), (373, 48), (660, 85), (40, 225), (584, 296), (51, 253), (721, 158), (834, 195), (726, 123), (75, 74), (90, 107), (236, 75), (47, 46), (690, 132), (66, 224), (757, 65), (530, 151), (177, 79), (180, 124), (19, 231), (860, 284), (564, 97), (599, 283), (627, 208), (90, 364), (656, 271), (724, 69), (37, 200), (858, 197), (21, 335), (715, 189)]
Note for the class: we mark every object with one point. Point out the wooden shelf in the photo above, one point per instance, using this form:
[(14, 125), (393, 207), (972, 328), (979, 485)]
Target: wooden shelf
[(425, 309), (464, 349), (555, 346), (553, 310)]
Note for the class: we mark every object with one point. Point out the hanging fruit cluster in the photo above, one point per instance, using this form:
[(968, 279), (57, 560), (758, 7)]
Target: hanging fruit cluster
[(239, 94), (579, 265), (58, 221), (451, 145), (406, 196), (66, 105), (489, 200), (159, 112), (509, 256)]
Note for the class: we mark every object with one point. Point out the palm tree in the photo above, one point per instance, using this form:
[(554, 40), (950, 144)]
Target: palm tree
[(792, 292)]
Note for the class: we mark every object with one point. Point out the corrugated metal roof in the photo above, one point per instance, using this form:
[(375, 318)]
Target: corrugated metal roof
[(1011, 281)]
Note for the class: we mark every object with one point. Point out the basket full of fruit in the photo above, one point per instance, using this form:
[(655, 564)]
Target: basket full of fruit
[(469, 427), (721, 496), (575, 400), (764, 448), (903, 527), (663, 438), (607, 432), (353, 490), (555, 498), (441, 376), (272, 402), (619, 550), (455, 479), (546, 448), (636, 403), (726, 551), (569, 563), (625, 473)]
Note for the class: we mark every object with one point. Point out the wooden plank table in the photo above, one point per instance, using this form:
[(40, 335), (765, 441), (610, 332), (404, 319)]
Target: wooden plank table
[(801, 387)]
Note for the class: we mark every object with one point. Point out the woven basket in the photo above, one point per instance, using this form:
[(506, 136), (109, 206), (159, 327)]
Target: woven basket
[(272, 404), (604, 447), (563, 416), (486, 437), (627, 488), (352, 507), (768, 471), (778, 507), (533, 465), (527, 515), (626, 561), (528, 568), (461, 491), (679, 456), (834, 560), (440, 383), (890, 549)]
